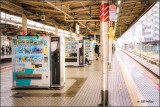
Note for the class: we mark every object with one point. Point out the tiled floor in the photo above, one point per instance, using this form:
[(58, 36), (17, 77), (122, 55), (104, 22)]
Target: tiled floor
[(148, 89), (82, 88), (118, 95), (89, 94)]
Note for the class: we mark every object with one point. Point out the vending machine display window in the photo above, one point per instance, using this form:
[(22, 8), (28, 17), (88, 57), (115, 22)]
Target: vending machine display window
[(89, 49), (71, 52)]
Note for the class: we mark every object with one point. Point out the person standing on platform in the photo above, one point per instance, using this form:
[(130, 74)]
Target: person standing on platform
[(96, 51), (7, 50), (86, 60), (3, 49), (99, 54), (113, 48), (10, 50)]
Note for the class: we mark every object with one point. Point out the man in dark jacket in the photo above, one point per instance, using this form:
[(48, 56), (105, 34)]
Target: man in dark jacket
[(96, 51), (3, 49)]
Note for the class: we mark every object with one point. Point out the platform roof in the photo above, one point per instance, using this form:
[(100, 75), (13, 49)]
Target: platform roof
[(86, 13)]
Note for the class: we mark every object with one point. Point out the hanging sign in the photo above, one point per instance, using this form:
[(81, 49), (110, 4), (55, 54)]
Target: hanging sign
[(111, 32), (112, 13), (24, 32), (112, 8)]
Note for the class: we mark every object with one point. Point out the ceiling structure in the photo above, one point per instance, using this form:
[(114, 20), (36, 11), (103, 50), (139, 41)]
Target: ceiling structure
[(65, 13)]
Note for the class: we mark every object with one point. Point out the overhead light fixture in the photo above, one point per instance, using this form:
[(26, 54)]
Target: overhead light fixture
[(119, 2), (117, 10)]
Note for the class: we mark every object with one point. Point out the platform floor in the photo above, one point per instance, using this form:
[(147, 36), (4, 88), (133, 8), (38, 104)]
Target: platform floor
[(6, 56), (129, 85)]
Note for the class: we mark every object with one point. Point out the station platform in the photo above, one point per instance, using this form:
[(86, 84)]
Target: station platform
[(6, 56), (130, 84)]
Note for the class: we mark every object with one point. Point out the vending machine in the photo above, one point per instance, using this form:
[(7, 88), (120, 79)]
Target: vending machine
[(81, 52), (57, 61), (74, 52), (31, 64), (89, 49), (71, 52), (38, 62)]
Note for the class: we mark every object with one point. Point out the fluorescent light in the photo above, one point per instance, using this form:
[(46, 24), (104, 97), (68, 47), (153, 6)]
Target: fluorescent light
[(17, 21), (117, 10), (116, 17), (119, 2), (60, 30)]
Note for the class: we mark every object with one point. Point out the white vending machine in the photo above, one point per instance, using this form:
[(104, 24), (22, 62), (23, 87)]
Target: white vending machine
[(74, 52), (89, 49), (38, 62), (71, 52), (31, 64)]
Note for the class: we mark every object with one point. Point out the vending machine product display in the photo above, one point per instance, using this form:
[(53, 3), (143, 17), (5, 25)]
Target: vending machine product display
[(89, 49), (31, 64), (74, 52), (71, 52)]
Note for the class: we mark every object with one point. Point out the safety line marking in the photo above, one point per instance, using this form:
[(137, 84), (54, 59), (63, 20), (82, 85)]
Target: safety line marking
[(134, 94)]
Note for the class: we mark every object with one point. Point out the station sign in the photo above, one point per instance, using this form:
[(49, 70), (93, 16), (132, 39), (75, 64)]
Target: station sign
[(24, 32), (111, 30), (111, 33), (112, 13)]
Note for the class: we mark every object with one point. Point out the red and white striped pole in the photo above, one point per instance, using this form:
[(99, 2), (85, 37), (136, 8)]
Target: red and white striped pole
[(104, 30)]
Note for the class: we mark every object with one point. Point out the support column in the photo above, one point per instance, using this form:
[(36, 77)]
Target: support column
[(105, 50), (56, 30), (95, 37), (24, 24), (70, 33)]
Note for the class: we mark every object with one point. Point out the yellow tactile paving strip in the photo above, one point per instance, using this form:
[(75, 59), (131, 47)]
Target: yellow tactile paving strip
[(134, 93)]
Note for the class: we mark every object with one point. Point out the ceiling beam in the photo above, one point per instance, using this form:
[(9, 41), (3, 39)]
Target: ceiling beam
[(84, 9), (66, 14), (46, 10), (20, 10)]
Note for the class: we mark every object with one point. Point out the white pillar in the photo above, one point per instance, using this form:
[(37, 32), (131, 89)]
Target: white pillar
[(70, 33), (56, 30), (110, 45), (24, 24), (104, 49)]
